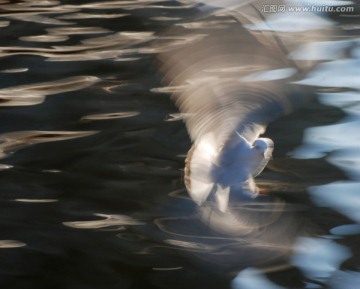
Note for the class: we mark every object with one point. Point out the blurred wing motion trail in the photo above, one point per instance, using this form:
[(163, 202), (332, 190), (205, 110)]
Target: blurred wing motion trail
[(229, 81), (231, 74)]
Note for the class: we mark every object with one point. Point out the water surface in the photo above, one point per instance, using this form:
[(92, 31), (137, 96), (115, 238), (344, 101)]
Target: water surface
[(92, 151)]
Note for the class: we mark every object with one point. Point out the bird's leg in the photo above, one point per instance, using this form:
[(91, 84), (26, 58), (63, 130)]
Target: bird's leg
[(222, 197), (251, 187)]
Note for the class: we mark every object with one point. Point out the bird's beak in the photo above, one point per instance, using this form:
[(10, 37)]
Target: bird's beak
[(267, 155)]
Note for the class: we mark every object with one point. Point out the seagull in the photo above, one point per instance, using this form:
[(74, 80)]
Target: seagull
[(229, 86), (233, 166)]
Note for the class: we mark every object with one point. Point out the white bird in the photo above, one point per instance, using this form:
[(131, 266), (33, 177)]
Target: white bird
[(230, 85), (233, 166)]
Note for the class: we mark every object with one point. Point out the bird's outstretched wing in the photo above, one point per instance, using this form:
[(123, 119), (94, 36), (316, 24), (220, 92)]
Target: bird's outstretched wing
[(198, 169), (220, 91)]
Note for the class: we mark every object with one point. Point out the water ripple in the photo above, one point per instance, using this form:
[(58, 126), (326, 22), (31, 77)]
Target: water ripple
[(8, 244), (108, 221), (12, 141), (112, 115), (35, 93)]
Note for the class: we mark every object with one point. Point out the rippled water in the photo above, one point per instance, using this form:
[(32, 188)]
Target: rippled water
[(92, 151)]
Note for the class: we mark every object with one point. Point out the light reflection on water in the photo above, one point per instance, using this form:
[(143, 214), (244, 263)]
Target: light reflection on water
[(91, 146)]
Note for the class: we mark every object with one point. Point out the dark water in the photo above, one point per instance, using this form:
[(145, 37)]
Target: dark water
[(92, 192)]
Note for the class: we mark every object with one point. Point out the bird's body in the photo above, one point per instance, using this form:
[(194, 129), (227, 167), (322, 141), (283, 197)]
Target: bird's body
[(240, 160), (233, 167)]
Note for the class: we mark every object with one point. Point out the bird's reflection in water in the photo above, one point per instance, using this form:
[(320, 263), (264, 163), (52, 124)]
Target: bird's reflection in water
[(258, 233)]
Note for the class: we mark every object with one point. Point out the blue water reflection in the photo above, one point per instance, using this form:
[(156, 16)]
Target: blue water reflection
[(319, 258), (252, 279), (340, 196), (344, 230), (345, 280)]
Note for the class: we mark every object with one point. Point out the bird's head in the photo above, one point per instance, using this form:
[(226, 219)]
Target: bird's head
[(264, 146)]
